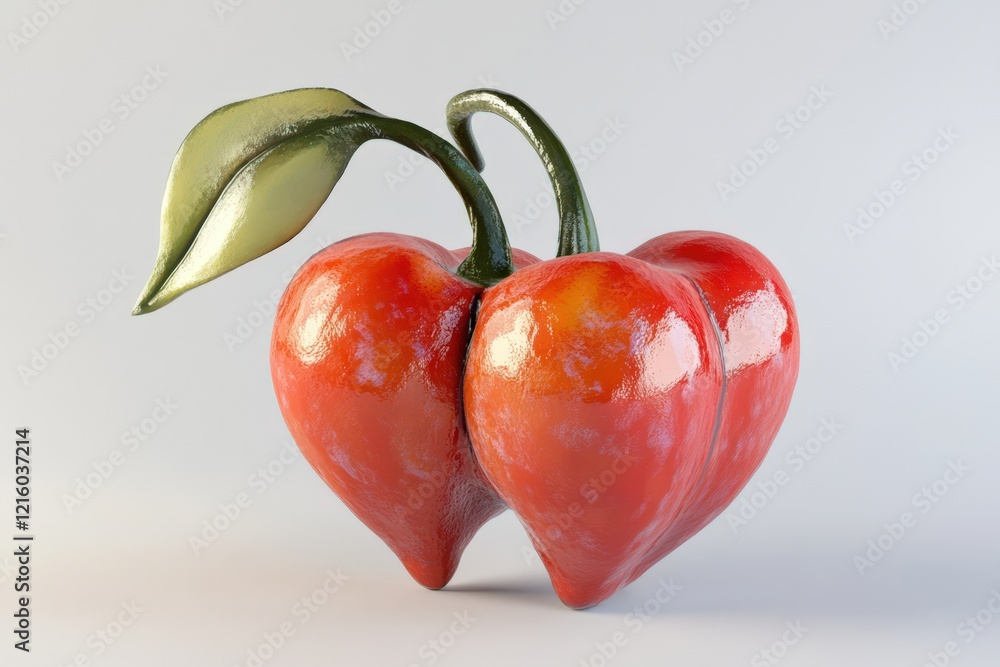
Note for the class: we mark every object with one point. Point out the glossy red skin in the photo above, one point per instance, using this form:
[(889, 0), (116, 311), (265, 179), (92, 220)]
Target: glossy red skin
[(610, 368), (755, 314), (367, 354)]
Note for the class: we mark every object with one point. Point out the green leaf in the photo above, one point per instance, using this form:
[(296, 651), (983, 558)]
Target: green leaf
[(251, 175), (246, 180)]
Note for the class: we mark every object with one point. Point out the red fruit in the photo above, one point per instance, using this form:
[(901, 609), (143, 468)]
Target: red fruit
[(367, 356), (600, 407)]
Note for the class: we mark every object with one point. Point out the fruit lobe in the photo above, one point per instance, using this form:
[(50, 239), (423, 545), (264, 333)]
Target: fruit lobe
[(592, 386), (756, 319), (619, 403), (367, 355)]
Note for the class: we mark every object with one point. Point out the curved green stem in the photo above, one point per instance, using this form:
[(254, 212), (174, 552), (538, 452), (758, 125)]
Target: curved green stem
[(489, 259), (577, 231)]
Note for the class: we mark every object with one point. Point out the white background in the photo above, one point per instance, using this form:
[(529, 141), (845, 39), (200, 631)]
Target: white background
[(63, 235)]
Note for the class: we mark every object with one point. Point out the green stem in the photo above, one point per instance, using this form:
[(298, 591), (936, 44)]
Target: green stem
[(577, 231), (489, 259)]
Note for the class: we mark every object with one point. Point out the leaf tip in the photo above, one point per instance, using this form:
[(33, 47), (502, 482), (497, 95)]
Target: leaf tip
[(151, 299), (142, 307)]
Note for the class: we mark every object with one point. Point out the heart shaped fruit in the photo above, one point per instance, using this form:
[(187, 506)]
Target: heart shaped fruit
[(366, 357), (619, 403)]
